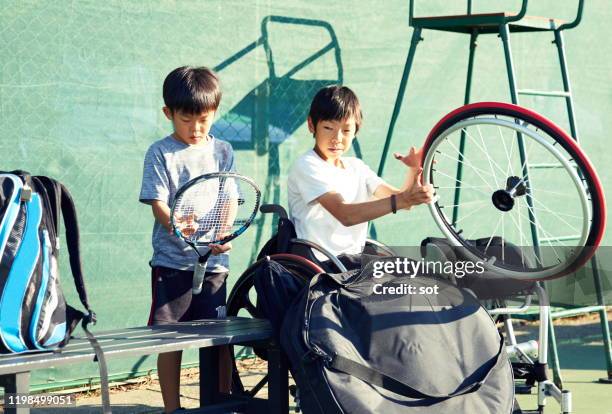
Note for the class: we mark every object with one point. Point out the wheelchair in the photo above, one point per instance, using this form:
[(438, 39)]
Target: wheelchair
[(297, 256), (529, 359)]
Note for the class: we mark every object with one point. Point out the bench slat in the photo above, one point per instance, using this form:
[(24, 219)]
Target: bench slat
[(82, 344), (145, 341)]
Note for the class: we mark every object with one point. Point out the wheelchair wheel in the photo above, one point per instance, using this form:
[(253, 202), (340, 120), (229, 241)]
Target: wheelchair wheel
[(503, 170), (241, 302)]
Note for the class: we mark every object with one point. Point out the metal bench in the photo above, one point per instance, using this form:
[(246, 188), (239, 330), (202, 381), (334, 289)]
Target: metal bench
[(207, 335)]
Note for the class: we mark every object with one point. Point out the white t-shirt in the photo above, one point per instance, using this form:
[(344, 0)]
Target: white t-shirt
[(311, 177)]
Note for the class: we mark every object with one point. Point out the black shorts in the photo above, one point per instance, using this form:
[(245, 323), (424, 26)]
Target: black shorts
[(174, 302)]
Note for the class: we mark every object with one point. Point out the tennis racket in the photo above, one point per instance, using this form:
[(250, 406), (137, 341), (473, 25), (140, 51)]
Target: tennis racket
[(213, 209)]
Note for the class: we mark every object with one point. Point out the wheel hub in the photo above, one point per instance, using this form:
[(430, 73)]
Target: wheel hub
[(503, 199)]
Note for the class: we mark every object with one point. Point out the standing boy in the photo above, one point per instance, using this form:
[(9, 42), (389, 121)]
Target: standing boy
[(191, 97), (332, 197)]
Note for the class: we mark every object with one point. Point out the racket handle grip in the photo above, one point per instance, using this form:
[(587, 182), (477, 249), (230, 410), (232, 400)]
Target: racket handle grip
[(198, 277)]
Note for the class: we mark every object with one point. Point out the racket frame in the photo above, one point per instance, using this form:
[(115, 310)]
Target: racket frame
[(203, 258)]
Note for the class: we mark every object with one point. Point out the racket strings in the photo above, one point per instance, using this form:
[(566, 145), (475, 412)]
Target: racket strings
[(212, 210)]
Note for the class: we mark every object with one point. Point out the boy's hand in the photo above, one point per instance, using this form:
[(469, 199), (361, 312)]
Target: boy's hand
[(413, 159), (416, 194), (220, 248), (187, 225)]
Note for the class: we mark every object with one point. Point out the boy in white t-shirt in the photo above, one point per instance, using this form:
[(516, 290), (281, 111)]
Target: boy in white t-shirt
[(331, 197)]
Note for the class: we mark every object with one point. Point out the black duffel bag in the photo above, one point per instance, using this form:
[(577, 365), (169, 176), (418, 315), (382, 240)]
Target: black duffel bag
[(353, 351)]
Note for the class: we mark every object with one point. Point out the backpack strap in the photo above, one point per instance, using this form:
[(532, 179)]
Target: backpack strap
[(61, 201), (72, 241), (102, 366)]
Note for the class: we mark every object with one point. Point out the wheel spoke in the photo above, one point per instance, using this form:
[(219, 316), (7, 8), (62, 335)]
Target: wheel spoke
[(467, 163), (470, 214), (464, 186), (545, 233), (471, 235), (476, 170), (461, 186), (488, 157), (555, 193), (519, 226), (560, 214), (491, 161), (464, 161), (464, 204), (493, 234), (248, 305), (509, 168), (552, 212)]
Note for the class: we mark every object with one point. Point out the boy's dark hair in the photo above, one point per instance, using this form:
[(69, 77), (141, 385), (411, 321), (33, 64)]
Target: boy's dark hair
[(192, 90), (335, 103)]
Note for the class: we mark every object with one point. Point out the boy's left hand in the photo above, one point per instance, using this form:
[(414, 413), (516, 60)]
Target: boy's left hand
[(220, 248), (413, 159)]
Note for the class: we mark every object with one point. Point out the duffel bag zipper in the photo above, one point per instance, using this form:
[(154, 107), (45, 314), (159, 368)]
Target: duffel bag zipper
[(313, 348), (326, 359)]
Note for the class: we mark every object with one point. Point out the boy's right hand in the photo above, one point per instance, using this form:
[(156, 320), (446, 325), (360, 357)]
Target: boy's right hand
[(416, 194), (186, 224)]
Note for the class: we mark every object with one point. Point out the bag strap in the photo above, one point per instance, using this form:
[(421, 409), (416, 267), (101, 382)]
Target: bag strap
[(24, 175), (62, 202), (106, 407), (379, 379), (72, 241)]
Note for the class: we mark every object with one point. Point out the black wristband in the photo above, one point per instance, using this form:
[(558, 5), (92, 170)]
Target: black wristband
[(393, 203)]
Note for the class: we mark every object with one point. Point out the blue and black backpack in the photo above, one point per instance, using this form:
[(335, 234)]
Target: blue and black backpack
[(34, 315), (33, 312)]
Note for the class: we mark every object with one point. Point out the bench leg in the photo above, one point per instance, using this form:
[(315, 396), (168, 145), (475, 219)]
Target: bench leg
[(209, 375), (16, 384), (278, 381)]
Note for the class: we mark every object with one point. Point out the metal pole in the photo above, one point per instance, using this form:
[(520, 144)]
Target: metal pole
[(566, 83), (278, 381), (603, 320), (569, 101), (505, 36), (466, 100), (416, 38), (209, 375), (554, 355), (18, 383)]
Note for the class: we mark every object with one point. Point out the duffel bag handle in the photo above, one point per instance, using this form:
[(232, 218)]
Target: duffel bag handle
[(374, 377)]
